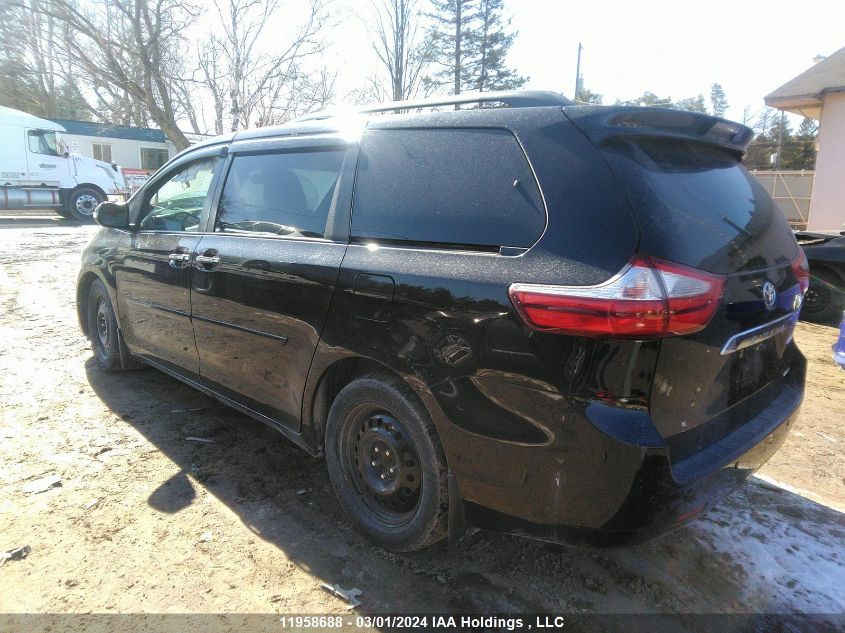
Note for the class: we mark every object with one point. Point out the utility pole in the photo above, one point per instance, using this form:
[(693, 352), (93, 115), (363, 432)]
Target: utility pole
[(780, 138), (578, 74)]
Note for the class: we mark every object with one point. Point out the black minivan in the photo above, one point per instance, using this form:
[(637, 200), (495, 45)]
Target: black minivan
[(574, 323)]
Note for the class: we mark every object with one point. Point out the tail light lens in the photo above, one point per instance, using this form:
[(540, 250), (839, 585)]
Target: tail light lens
[(801, 268), (649, 298)]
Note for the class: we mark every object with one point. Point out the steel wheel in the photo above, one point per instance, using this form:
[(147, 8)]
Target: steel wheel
[(82, 203), (103, 329), (85, 204), (381, 460), (386, 463), (818, 298), (824, 300)]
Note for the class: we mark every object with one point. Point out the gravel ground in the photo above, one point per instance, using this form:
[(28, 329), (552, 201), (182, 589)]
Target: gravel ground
[(145, 521)]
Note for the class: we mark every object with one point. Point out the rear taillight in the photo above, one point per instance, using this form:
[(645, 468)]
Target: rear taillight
[(649, 298), (801, 268)]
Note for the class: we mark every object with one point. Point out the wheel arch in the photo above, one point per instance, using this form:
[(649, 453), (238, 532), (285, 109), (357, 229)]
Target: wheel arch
[(332, 379), (83, 288), (339, 373), (86, 279), (88, 185), (335, 377), (838, 271), (67, 193)]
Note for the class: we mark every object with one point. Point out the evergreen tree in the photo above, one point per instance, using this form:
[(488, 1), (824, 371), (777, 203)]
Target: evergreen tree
[(449, 35), (781, 137), (649, 99), (469, 42), (805, 139), (488, 48), (718, 102), (692, 104), (588, 96)]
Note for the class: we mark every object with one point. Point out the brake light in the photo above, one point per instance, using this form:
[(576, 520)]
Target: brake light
[(649, 298), (801, 268)]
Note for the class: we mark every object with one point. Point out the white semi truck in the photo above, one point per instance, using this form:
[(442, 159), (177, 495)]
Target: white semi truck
[(37, 171)]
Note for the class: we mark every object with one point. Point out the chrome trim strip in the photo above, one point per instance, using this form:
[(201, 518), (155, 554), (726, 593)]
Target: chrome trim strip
[(759, 333), (158, 307), (276, 337)]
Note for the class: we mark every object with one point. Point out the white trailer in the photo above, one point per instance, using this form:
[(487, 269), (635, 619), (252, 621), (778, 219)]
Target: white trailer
[(37, 171)]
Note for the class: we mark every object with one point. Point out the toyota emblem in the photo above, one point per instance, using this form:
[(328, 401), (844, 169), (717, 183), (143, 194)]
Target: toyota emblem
[(769, 295)]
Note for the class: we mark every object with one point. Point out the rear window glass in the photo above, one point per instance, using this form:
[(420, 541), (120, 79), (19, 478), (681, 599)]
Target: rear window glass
[(281, 194), (457, 186), (698, 206)]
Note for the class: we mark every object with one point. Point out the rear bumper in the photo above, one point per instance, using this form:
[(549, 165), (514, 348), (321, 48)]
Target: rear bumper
[(586, 485)]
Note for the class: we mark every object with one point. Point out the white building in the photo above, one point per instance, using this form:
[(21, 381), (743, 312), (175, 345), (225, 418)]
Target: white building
[(130, 147), (819, 93)]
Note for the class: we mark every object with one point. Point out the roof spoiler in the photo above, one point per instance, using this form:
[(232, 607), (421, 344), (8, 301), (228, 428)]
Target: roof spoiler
[(601, 123)]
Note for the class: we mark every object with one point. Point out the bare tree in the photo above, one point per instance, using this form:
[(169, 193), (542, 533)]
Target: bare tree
[(256, 87), (399, 45), (212, 75), (302, 94), (132, 49), (32, 76)]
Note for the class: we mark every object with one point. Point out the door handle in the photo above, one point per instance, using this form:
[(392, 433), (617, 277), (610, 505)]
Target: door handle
[(207, 260), (179, 260)]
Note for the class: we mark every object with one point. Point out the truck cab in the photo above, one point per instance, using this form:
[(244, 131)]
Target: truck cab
[(38, 171)]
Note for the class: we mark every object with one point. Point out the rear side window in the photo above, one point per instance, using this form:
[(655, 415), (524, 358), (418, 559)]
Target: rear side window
[(698, 206), (469, 187), (279, 194)]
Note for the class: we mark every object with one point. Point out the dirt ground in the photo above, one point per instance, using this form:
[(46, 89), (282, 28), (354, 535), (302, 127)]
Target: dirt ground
[(145, 521)]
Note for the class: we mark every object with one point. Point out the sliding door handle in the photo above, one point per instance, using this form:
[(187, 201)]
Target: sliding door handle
[(179, 260)]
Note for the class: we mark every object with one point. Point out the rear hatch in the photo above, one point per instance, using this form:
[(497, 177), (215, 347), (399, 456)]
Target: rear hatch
[(696, 205)]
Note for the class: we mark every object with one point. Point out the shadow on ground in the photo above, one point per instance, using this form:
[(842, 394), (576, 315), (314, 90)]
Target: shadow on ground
[(764, 550), (41, 221)]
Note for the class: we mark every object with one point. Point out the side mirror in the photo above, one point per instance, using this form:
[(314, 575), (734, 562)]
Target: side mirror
[(113, 215)]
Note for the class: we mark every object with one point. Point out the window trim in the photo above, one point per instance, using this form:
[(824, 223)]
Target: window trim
[(153, 185), (141, 149), (101, 145), (40, 132), (339, 214), (390, 126)]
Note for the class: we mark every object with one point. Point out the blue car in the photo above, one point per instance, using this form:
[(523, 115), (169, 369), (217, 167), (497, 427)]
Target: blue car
[(839, 346)]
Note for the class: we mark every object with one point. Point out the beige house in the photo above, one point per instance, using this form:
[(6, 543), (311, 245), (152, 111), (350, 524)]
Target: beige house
[(819, 93)]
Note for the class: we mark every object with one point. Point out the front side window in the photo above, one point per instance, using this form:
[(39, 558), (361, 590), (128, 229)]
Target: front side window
[(42, 142), (178, 202), (152, 158), (285, 194), (102, 151), (470, 187)]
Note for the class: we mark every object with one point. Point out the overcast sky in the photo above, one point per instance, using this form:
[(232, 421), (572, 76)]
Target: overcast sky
[(674, 48)]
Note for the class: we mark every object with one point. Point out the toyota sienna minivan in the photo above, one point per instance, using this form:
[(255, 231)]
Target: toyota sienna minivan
[(574, 323)]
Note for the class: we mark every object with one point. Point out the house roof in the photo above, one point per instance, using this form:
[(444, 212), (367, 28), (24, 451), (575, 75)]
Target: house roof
[(107, 130), (804, 94)]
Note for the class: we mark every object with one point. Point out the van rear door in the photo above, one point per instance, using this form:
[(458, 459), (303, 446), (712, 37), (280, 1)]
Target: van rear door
[(697, 205)]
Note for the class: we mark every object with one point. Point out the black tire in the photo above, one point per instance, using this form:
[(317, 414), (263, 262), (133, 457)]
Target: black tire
[(825, 299), (404, 509), (102, 328), (82, 202)]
